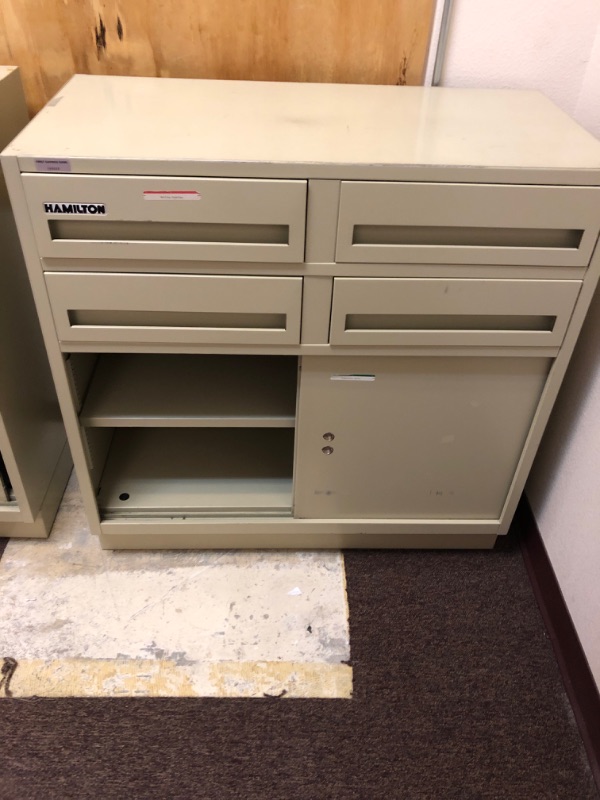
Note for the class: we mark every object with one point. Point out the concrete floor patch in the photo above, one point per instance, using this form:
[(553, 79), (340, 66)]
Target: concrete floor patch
[(80, 621)]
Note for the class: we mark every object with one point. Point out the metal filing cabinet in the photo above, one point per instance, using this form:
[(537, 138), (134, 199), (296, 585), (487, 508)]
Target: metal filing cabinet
[(34, 458), (293, 315)]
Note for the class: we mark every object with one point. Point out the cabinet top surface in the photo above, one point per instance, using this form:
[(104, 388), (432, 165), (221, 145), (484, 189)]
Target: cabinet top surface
[(212, 122), (5, 72)]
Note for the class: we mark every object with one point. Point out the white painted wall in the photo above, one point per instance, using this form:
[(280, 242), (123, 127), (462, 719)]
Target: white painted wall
[(553, 46)]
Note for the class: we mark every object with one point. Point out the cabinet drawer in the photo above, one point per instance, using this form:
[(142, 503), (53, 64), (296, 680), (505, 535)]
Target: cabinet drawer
[(404, 311), (177, 218), (175, 309), (426, 223)]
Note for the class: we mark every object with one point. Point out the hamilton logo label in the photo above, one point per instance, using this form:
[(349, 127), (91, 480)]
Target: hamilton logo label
[(75, 208)]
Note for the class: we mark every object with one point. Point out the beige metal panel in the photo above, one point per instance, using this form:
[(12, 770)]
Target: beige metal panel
[(10, 516), (125, 537), (316, 309), (150, 390), (174, 472), (424, 271), (32, 437), (318, 171), (96, 444), (42, 524), (312, 350), (435, 311), (176, 309), (186, 218), (13, 116), (467, 224), (553, 384), (239, 126), (283, 526), (286, 525), (55, 357), (331, 269), (363, 172), (166, 266), (79, 368), (322, 220), (10, 508), (436, 438)]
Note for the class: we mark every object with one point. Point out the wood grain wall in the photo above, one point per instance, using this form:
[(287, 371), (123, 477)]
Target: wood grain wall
[(346, 41)]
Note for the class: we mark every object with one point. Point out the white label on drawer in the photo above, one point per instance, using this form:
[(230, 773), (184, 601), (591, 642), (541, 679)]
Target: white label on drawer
[(353, 377), (172, 195), (52, 165)]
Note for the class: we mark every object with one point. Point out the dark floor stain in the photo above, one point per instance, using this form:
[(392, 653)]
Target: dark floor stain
[(119, 29)]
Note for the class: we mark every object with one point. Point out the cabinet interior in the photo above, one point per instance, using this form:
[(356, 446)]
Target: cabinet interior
[(179, 472), (174, 390), (188, 435)]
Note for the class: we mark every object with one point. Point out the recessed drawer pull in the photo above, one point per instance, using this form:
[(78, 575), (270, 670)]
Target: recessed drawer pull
[(176, 319), (451, 236), (449, 322), (100, 230)]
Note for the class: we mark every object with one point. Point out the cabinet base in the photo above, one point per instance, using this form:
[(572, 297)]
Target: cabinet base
[(298, 541), (42, 525)]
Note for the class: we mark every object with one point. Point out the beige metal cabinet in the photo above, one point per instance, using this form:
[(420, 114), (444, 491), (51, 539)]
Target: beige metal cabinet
[(334, 335), (34, 458)]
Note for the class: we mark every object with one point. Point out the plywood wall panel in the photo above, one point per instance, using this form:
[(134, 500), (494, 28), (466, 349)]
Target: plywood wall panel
[(347, 41)]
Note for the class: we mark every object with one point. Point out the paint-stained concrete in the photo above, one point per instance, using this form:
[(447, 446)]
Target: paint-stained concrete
[(81, 621)]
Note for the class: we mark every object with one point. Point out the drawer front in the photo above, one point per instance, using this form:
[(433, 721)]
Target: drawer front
[(178, 218), (175, 309), (434, 311), (426, 223)]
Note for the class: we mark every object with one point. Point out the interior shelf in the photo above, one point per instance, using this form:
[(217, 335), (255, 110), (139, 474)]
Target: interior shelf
[(198, 472), (143, 390)]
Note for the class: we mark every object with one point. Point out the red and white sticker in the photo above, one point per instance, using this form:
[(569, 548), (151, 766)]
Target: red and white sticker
[(176, 194)]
